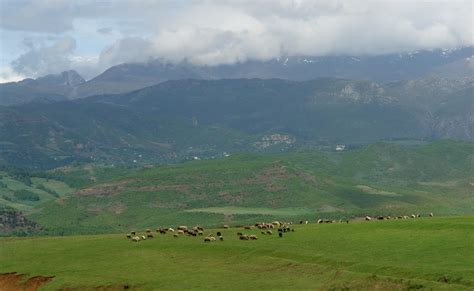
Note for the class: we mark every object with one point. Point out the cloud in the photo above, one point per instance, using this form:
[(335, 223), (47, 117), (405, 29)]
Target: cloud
[(44, 59), (225, 32), (7, 74), (212, 32)]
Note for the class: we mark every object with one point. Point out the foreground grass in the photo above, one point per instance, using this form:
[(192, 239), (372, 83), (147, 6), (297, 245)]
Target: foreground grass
[(424, 253)]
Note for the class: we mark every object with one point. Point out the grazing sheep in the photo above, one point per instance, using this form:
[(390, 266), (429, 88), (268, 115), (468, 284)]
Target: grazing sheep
[(276, 223), (182, 227), (180, 231), (269, 232), (143, 237), (247, 227), (135, 238), (244, 237), (239, 233), (200, 232), (380, 218), (213, 238), (431, 214), (129, 235), (170, 229), (413, 216), (176, 235), (320, 221), (280, 234), (263, 232), (253, 237), (368, 218), (226, 226), (221, 238), (218, 233), (207, 239), (148, 230), (292, 230), (133, 233), (149, 235)]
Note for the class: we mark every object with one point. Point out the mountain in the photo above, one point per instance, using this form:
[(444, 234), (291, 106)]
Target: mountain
[(448, 64), (186, 119), (49, 88), (380, 179)]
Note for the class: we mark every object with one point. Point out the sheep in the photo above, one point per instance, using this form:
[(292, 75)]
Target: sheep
[(218, 233), (135, 238), (413, 216), (276, 223), (207, 239), (133, 233), (253, 237), (280, 234), (149, 235), (148, 230), (129, 235), (170, 229), (182, 227), (239, 233), (200, 232), (269, 232), (226, 226), (263, 232), (221, 238), (368, 218), (244, 237), (320, 221), (180, 231), (176, 235), (431, 214), (143, 237), (247, 227)]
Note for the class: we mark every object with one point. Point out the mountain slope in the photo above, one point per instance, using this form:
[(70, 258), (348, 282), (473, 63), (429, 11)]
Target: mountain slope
[(378, 179), (178, 120)]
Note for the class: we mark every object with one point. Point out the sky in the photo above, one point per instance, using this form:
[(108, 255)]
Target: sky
[(39, 37)]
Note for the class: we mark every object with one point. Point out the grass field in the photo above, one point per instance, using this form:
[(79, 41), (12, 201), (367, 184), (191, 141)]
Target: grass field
[(398, 254)]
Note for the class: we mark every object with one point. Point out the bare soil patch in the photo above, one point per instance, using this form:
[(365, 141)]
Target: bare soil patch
[(14, 282)]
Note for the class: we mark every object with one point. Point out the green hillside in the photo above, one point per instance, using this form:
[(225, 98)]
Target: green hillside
[(426, 253), (379, 179), (177, 120)]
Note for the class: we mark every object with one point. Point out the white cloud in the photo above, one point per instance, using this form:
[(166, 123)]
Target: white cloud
[(7, 74), (210, 32)]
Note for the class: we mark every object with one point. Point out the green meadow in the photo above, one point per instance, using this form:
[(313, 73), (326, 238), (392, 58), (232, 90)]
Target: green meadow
[(425, 253)]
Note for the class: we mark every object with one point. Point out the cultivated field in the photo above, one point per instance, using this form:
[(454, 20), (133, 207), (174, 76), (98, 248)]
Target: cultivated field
[(419, 253)]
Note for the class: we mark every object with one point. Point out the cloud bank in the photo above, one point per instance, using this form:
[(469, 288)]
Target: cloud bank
[(211, 32)]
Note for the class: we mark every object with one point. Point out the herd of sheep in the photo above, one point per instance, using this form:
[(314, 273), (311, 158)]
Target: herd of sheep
[(265, 228)]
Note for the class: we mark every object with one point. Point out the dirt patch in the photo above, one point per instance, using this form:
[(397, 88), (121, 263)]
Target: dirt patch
[(106, 189), (14, 282)]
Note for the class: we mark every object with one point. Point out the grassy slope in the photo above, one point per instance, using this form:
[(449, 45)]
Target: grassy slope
[(423, 253), (380, 179), (48, 186)]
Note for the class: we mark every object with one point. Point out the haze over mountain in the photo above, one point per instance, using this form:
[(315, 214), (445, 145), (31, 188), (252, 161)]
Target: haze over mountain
[(128, 77)]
